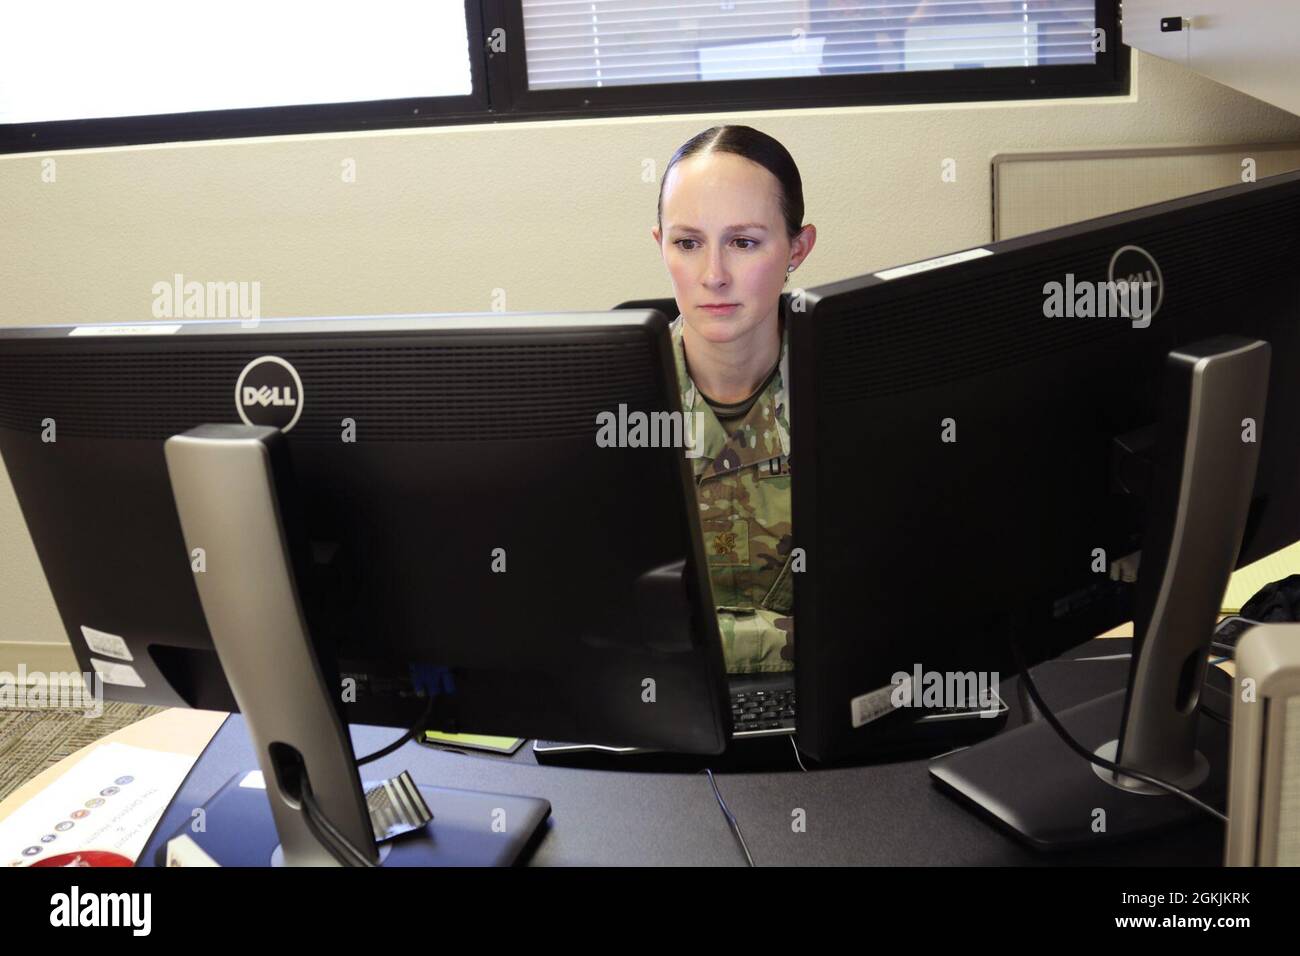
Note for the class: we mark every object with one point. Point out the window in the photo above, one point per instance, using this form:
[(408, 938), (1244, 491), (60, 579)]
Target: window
[(98, 72), (94, 72), (622, 42), (594, 56), (159, 56)]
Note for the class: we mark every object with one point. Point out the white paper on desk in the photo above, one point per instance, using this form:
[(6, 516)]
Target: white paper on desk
[(119, 793)]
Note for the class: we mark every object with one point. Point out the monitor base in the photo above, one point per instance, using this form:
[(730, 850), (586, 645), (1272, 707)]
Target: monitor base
[(1039, 790)]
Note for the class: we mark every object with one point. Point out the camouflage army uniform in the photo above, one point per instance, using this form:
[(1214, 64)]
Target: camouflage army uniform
[(742, 484)]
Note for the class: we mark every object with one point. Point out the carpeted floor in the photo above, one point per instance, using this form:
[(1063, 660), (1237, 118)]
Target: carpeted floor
[(32, 740)]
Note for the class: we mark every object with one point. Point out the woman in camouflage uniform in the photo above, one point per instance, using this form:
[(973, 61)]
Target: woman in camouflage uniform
[(730, 231)]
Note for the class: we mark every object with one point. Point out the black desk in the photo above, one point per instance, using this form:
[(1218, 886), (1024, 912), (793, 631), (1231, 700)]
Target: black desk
[(881, 814)]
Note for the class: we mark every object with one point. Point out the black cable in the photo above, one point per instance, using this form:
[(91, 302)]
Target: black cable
[(316, 817), (1092, 757), (333, 849), (411, 734), (339, 847), (731, 819), (1025, 704), (1229, 650)]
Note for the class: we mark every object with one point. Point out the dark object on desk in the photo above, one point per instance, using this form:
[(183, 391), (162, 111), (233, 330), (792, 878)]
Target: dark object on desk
[(1275, 603)]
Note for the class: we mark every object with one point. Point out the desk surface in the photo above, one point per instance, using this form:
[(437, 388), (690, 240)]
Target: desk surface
[(886, 813)]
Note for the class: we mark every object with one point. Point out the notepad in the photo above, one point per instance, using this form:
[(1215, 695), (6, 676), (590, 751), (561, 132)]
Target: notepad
[(1246, 582)]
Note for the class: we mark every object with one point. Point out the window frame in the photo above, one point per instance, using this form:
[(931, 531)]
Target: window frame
[(500, 94)]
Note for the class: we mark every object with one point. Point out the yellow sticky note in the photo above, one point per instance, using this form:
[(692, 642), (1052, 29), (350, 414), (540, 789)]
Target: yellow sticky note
[(505, 745)]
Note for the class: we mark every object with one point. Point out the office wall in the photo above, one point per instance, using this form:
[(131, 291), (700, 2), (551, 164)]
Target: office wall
[(554, 215)]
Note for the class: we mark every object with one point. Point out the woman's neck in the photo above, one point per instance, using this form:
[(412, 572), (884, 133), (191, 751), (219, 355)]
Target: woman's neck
[(732, 371)]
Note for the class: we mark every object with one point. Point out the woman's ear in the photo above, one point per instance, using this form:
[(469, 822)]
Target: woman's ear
[(655, 233), (803, 244)]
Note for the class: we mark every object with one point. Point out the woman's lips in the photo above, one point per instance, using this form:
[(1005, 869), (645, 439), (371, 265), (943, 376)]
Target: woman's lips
[(720, 309)]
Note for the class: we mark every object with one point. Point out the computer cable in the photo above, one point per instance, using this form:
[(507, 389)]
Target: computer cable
[(1213, 716), (1086, 754), (731, 819), (1026, 705), (797, 759), (334, 850), (339, 846), (411, 734)]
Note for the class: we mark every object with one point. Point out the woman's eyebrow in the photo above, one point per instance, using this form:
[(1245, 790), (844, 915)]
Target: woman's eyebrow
[(742, 227)]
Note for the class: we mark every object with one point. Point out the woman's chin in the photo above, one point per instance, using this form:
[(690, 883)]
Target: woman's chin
[(719, 329)]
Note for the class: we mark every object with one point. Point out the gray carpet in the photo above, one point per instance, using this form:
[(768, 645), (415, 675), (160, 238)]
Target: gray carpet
[(32, 740)]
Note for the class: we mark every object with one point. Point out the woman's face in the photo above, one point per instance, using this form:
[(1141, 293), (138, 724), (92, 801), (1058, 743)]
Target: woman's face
[(724, 243)]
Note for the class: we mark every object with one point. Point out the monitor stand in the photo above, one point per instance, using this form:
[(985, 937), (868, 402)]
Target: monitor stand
[(1028, 780), (232, 488)]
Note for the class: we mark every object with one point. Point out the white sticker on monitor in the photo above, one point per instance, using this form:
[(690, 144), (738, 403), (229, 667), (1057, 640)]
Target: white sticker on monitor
[(253, 780), (110, 645), (865, 708), (158, 329), (938, 262), (111, 672)]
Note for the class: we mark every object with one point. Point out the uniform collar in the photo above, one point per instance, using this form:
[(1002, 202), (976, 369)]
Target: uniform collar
[(733, 451)]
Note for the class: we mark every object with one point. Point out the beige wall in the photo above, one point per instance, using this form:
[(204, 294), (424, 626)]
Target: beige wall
[(556, 214)]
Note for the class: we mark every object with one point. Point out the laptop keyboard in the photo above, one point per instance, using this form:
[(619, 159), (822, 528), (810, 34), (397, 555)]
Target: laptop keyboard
[(762, 710)]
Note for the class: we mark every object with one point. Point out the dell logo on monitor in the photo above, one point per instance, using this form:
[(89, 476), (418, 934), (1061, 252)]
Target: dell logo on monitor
[(269, 392), (1133, 264)]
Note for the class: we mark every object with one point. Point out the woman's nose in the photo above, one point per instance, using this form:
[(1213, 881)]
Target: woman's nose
[(717, 270)]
